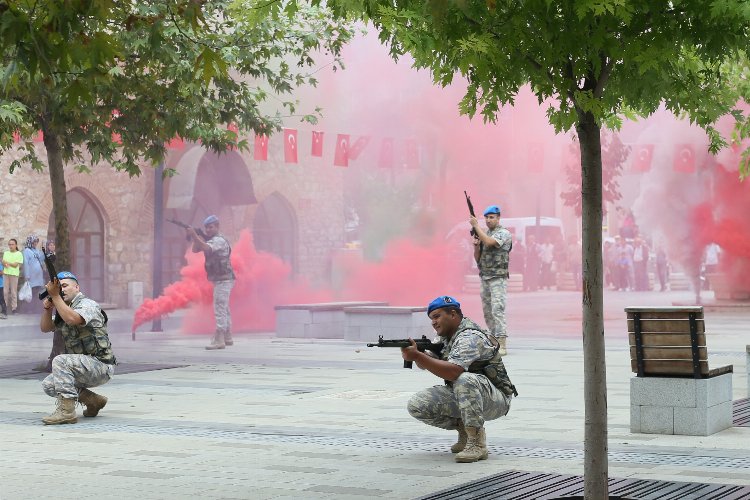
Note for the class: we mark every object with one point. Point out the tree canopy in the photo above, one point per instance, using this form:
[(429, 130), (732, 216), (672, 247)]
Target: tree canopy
[(114, 81), (591, 63)]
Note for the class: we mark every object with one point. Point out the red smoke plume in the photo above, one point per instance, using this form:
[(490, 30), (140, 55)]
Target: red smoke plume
[(262, 281)]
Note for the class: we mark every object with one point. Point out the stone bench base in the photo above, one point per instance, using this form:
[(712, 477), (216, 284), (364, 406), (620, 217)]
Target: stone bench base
[(686, 406), (324, 320), (365, 324)]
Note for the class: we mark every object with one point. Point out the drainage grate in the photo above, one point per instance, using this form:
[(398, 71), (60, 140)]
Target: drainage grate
[(30, 371), (517, 485), (741, 412)]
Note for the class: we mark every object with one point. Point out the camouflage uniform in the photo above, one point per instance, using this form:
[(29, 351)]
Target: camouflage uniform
[(88, 360), (472, 397), (219, 271), (493, 271)]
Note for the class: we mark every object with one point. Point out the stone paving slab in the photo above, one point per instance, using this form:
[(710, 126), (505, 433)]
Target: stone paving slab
[(310, 418)]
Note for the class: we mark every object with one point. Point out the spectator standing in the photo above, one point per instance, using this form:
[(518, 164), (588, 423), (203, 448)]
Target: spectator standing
[(662, 268), (533, 265), (547, 256), (12, 262), (33, 269), (711, 262), (4, 312), (640, 264)]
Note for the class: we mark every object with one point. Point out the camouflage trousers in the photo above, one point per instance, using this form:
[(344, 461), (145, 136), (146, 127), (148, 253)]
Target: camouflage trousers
[(471, 398), (222, 290), (71, 372), (494, 291)]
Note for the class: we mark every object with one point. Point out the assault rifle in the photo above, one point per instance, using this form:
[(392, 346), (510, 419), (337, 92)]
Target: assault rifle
[(423, 344), (52, 275), (186, 226), (473, 231)]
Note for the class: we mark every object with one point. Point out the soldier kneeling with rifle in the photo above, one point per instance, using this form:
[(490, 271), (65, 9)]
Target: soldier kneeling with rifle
[(477, 387), (88, 360)]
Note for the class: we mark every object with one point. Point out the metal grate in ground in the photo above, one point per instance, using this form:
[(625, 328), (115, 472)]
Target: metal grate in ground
[(518, 485), (30, 371), (741, 412)]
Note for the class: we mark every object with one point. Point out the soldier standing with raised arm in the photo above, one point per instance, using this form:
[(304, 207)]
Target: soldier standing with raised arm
[(492, 254), (88, 360), (217, 250)]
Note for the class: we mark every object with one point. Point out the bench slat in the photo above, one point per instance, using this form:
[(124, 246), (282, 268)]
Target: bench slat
[(667, 339), (665, 315), (666, 326), (669, 367), (670, 353)]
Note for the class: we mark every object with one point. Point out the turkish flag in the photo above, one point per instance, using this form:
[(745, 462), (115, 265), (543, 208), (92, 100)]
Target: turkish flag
[(317, 144), (176, 143), (386, 153), (261, 147), (290, 145), (39, 137), (684, 158), (535, 157), (412, 154), (341, 158), (642, 157), (358, 146)]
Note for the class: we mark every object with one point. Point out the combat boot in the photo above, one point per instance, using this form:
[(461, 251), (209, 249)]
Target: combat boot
[(503, 351), (65, 413), (476, 446), (217, 342), (461, 443), (228, 338), (93, 402)]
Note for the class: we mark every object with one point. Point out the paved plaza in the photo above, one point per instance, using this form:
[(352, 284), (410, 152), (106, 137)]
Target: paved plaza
[(326, 419)]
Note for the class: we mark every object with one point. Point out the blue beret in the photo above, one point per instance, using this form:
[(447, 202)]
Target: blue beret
[(210, 220), (63, 275), (443, 301), (492, 209)]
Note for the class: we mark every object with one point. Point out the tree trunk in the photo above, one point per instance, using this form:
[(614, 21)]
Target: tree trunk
[(595, 376), (59, 200), (62, 235)]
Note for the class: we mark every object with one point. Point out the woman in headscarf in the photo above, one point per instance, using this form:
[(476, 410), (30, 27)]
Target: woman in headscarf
[(33, 265)]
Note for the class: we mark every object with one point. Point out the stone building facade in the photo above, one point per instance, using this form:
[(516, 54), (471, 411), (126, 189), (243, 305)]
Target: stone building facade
[(292, 210)]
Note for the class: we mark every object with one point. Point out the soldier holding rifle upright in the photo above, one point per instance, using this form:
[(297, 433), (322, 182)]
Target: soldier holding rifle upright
[(492, 254), (477, 387), (88, 360), (217, 250)]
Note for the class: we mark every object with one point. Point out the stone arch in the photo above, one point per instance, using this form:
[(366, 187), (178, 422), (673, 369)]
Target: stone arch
[(276, 230)]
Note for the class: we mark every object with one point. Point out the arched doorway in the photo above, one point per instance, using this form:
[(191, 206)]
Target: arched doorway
[(275, 229), (86, 226)]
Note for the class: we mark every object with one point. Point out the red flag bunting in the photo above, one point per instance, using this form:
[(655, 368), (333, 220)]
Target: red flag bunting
[(176, 143), (642, 157), (261, 147), (386, 153), (358, 146), (412, 154), (39, 137), (317, 144), (290, 145), (684, 158), (341, 158), (535, 157)]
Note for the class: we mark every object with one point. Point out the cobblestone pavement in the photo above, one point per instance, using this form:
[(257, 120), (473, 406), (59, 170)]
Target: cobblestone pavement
[(309, 419)]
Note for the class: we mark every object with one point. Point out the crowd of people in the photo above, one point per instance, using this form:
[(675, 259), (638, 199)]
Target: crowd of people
[(22, 274)]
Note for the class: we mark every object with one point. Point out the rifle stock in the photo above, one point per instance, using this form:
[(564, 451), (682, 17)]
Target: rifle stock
[(52, 275)]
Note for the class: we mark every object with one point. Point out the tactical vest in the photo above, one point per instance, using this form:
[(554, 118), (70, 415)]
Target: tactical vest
[(493, 368), (87, 339), (219, 267), (493, 261)]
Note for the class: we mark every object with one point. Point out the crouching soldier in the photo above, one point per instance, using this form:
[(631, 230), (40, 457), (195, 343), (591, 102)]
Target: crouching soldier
[(88, 360), (477, 387)]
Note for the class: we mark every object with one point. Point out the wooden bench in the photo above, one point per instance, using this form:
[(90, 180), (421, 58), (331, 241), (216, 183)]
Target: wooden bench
[(674, 390)]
